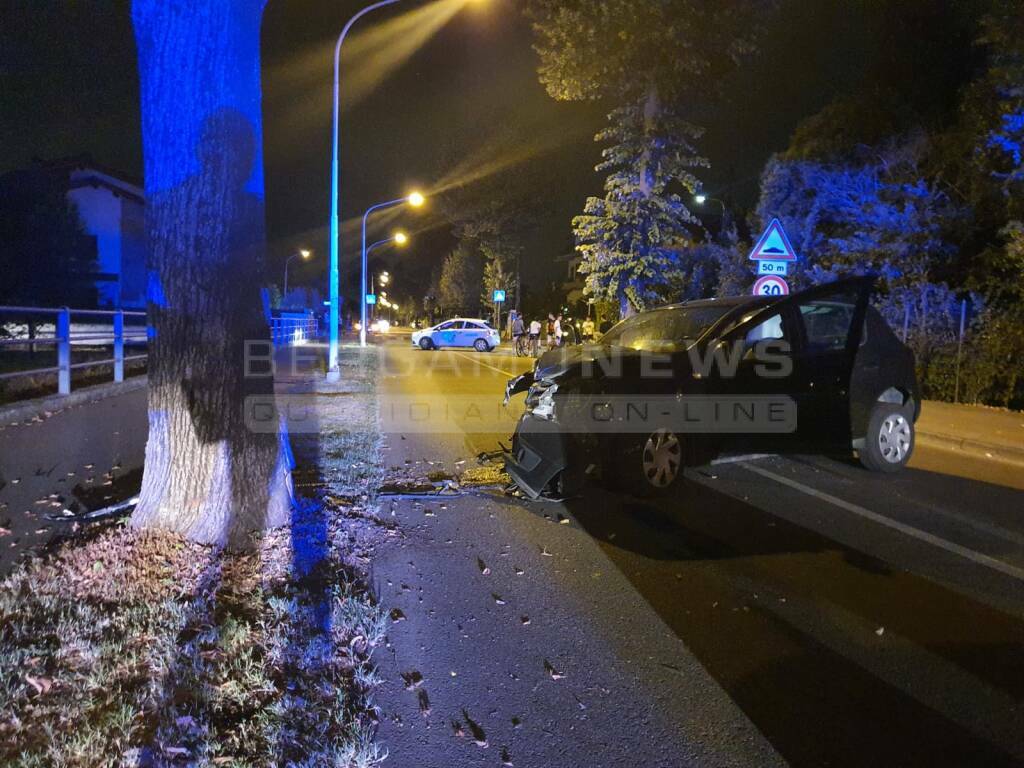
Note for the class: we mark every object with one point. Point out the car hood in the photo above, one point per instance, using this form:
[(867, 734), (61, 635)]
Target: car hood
[(557, 363), (584, 365)]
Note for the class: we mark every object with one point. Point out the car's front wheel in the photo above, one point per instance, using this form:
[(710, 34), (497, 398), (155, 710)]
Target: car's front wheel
[(481, 345), (426, 344), (652, 465), (889, 442)]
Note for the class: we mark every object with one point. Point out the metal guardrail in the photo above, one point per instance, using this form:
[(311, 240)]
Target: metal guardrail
[(293, 330), (63, 338), (285, 330)]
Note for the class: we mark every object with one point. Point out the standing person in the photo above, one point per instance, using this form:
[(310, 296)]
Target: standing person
[(588, 330), (558, 330), (535, 337), (551, 331)]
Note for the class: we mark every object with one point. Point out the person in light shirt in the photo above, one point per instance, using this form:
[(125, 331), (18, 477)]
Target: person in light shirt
[(535, 337)]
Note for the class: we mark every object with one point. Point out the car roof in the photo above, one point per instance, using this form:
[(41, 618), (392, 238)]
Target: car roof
[(466, 319), (761, 301)]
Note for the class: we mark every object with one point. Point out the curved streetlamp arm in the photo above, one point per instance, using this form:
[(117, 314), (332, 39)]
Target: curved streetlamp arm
[(335, 175), (362, 289)]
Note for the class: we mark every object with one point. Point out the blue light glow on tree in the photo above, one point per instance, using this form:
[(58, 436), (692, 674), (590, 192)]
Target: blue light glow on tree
[(207, 475)]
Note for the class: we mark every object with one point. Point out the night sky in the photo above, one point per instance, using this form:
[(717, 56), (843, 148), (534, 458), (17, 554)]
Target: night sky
[(68, 85)]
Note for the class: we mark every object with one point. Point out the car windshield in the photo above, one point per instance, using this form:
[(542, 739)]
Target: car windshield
[(665, 329)]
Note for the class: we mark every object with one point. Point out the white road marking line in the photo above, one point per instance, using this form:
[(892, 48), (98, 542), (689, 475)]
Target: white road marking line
[(908, 530), (744, 457), (485, 365)]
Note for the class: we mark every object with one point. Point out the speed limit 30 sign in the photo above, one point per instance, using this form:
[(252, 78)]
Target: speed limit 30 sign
[(770, 285)]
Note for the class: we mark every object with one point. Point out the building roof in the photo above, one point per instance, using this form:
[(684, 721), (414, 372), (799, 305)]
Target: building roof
[(80, 172)]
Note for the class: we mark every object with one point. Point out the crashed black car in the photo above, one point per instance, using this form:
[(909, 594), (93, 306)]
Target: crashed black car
[(819, 371)]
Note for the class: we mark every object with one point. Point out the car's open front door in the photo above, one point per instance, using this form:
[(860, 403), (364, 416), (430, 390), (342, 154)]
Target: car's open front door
[(830, 319)]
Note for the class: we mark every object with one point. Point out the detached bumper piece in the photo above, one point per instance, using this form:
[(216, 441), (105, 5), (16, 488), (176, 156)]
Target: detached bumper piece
[(539, 453)]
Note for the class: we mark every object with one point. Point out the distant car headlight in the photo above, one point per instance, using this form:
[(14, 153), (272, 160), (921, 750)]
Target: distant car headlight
[(540, 400)]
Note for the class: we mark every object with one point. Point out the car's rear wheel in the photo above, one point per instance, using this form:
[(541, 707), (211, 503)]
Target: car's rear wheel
[(889, 442), (652, 465), (481, 345), (426, 344)]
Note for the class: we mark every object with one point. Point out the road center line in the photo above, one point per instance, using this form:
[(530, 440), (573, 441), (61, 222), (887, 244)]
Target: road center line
[(485, 365), (908, 530)]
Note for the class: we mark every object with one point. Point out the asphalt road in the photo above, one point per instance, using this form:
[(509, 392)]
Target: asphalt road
[(84, 457), (796, 610)]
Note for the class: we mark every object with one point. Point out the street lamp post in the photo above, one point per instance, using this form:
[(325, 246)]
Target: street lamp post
[(333, 372), (305, 254), (415, 200), (701, 199)]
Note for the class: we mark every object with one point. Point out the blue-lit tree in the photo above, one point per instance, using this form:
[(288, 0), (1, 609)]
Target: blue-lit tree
[(873, 214), (207, 475)]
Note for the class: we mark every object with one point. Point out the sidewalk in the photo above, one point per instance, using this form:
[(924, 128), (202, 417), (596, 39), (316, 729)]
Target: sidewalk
[(975, 430)]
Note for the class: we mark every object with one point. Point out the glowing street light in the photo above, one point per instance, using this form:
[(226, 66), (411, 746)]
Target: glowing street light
[(305, 253), (416, 200), (400, 239), (701, 199)]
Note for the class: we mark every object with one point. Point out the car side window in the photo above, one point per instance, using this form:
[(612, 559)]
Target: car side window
[(772, 328), (827, 321), (445, 326)]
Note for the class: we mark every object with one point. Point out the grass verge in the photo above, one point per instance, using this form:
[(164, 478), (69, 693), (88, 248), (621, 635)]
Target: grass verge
[(128, 649)]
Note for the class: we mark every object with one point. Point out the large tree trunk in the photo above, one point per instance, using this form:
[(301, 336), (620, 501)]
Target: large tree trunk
[(207, 476)]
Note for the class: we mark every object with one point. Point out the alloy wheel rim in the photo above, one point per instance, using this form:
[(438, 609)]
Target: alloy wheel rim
[(894, 439), (662, 458)]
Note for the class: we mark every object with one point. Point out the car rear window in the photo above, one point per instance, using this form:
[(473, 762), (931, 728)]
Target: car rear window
[(827, 321), (670, 328)]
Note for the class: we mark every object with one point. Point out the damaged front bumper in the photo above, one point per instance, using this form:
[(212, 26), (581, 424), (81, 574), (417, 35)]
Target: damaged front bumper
[(540, 451)]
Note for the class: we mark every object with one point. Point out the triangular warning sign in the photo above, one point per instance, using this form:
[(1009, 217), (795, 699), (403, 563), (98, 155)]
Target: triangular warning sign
[(773, 245)]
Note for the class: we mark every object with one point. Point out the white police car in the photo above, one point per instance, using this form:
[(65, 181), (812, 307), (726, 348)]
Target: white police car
[(458, 332)]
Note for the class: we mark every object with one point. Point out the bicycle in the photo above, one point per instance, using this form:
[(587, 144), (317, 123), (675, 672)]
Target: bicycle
[(523, 345)]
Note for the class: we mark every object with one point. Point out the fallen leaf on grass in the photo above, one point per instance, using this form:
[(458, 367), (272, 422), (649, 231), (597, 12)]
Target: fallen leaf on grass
[(40, 684)]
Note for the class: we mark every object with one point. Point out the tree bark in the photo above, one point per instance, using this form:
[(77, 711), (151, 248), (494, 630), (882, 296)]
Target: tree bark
[(207, 475)]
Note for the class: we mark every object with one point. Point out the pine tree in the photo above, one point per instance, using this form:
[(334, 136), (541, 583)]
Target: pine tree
[(632, 239), (651, 57)]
